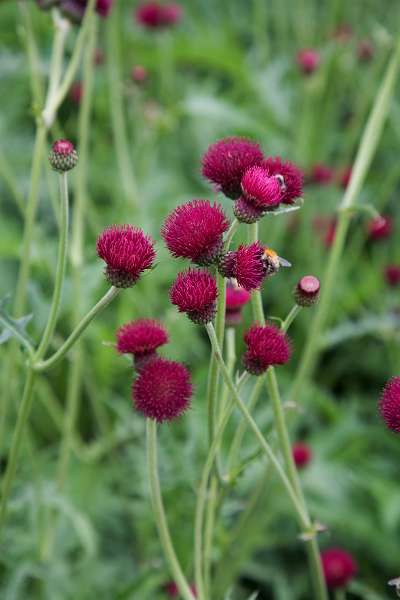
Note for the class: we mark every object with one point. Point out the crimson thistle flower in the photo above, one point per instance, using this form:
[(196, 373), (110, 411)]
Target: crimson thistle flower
[(172, 590), (267, 346), (236, 298), (301, 454), (261, 193), (339, 567), (379, 228), (321, 174), (308, 60), (127, 252), (246, 265), (153, 15), (389, 404), (195, 293), (63, 156), (306, 292), (194, 230), (162, 390), (226, 161), (139, 74), (141, 338), (392, 275), (290, 176)]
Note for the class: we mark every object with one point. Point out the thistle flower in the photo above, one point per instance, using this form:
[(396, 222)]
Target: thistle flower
[(301, 454), (226, 161), (379, 228), (339, 567), (266, 346), (308, 60), (321, 174), (194, 230), (141, 338), (236, 298), (389, 404), (153, 15), (63, 156), (246, 212), (261, 190), (245, 265), (365, 51), (162, 390), (290, 176), (392, 275), (172, 590), (127, 252), (139, 74), (195, 293), (306, 292)]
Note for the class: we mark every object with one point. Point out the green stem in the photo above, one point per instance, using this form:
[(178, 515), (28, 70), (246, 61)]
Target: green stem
[(44, 365), (291, 317), (60, 271), (340, 594), (23, 414), (366, 150), (159, 513), (230, 234), (211, 509)]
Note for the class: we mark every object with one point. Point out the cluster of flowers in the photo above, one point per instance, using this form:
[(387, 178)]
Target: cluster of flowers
[(75, 9)]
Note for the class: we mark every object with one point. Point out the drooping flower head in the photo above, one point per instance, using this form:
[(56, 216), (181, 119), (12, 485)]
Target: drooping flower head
[(141, 338), (301, 454), (266, 346), (321, 174), (194, 230), (195, 292), (339, 567), (236, 298), (379, 228), (392, 275), (226, 161), (389, 404), (306, 292), (153, 15), (290, 176), (308, 60), (63, 156), (246, 265), (162, 390), (127, 252)]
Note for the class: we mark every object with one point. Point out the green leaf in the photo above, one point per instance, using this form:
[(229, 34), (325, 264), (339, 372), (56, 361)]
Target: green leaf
[(14, 327)]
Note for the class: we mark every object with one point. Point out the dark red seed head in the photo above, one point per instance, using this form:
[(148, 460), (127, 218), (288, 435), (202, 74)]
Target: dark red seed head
[(301, 454), (226, 161), (141, 337), (266, 346), (194, 230), (290, 176), (308, 60), (392, 275), (379, 228), (260, 189), (162, 390), (127, 252), (389, 404), (339, 567), (245, 265), (195, 293), (321, 174), (306, 292)]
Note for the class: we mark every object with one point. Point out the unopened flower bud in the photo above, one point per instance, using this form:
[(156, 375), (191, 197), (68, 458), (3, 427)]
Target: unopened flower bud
[(63, 156), (306, 292)]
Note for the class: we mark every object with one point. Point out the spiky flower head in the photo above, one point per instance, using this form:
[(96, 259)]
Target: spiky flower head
[(141, 338), (289, 175), (236, 298), (260, 189), (306, 292), (392, 275), (339, 567), (127, 252), (162, 390), (379, 228), (194, 230), (63, 156), (308, 60), (267, 346), (389, 404), (301, 454), (195, 292), (226, 161), (153, 15), (246, 212), (245, 265)]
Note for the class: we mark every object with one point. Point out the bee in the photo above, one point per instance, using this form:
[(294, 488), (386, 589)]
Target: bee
[(272, 262)]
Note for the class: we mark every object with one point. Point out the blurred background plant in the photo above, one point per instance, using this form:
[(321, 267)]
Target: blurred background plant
[(161, 95)]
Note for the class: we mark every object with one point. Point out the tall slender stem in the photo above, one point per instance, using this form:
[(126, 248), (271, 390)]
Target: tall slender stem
[(159, 513), (291, 317)]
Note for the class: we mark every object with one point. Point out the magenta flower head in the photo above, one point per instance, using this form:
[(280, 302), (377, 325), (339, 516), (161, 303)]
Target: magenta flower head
[(139, 74), (153, 15), (308, 61), (246, 265), (306, 292), (389, 404), (379, 228), (290, 176), (321, 174), (127, 252), (195, 293), (194, 230), (162, 390), (339, 567), (236, 298), (266, 346), (63, 156), (301, 454), (172, 590), (392, 275), (261, 193), (226, 161), (141, 338)]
